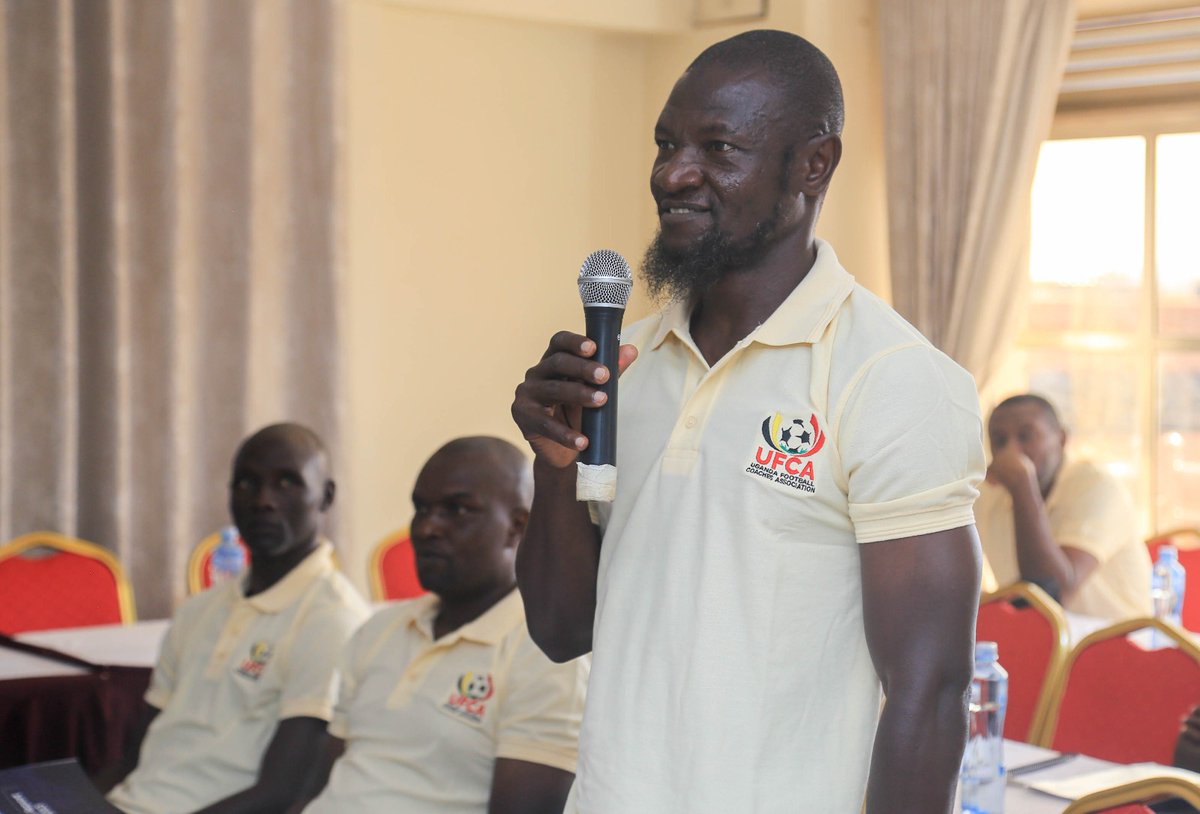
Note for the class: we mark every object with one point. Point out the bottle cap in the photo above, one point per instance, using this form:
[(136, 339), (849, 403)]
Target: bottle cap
[(1168, 552), (986, 651)]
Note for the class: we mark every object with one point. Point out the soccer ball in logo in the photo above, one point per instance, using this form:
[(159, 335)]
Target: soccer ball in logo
[(795, 437), (477, 686)]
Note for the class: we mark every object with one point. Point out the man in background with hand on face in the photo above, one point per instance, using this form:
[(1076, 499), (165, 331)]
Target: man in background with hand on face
[(792, 526), (1069, 527), (238, 703), (447, 706)]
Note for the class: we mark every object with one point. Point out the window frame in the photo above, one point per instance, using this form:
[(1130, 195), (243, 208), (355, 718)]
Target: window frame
[(1147, 344)]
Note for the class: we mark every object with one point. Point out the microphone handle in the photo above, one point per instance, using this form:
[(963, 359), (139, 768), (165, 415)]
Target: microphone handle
[(599, 424)]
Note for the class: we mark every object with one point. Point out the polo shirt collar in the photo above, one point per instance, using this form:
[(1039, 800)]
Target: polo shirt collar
[(293, 586), (492, 626), (801, 318)]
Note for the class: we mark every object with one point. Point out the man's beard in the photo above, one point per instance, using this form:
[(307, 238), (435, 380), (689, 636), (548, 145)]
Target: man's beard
[(689, 273)]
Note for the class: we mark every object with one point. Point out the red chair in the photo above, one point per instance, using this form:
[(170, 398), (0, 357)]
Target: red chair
[(393, 569), (199, 568), (1030, 631), (1119, 701), (1187, 540), (48, 581)]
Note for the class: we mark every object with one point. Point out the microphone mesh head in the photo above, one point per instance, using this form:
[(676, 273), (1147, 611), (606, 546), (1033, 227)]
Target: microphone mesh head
[(605, 280)]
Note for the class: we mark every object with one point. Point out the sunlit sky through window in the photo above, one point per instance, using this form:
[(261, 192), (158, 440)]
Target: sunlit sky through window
[(1178, 213), (1088, 205)]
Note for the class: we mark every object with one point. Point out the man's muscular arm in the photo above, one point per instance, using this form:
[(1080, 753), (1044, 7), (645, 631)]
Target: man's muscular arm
[(558, 558), (919, 603)]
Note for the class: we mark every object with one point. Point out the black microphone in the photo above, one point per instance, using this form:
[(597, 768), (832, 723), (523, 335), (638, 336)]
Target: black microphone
[(605, 283)]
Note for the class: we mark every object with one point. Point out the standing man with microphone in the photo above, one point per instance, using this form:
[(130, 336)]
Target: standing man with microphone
[(792, 530)]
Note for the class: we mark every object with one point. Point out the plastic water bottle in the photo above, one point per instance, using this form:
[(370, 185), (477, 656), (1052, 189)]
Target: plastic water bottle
[(1167, 584), (983, 761), (228, 558)]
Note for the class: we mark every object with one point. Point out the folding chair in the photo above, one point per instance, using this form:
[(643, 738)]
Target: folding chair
[(393, 569), (1132, 797), (49, 580), (1118, 700), (1030, 630)]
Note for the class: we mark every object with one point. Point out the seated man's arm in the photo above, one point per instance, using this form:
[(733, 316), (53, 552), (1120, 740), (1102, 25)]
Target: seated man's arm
[(920, 598), (293, 754), (108, 777), (315, 782), (520, 787), (1060, 570)]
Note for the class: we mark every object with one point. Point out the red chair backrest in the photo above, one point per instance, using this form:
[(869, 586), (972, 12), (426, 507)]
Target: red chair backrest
[(1190, 559), (1025, 641), (1131, 808), (1124, 703), (47, 588), (396, 565), (1030, 631)]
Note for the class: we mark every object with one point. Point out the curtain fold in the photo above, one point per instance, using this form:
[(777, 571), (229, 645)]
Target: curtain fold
[(970, 88), (169, 249)]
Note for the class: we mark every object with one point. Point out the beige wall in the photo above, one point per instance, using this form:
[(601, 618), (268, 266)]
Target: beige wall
[(485, 157)]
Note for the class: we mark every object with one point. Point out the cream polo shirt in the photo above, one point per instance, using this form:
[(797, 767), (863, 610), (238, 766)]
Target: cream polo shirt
[(424, 720), (730, 668), (1088, 509), (230, 669)]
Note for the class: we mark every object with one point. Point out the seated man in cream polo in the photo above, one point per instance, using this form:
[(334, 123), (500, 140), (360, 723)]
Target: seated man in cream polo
[(447, 706), (245, 682), (1069, 527)]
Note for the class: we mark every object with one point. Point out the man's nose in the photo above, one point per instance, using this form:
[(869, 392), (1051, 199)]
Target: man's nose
[(426, 524), (265, 498), (678, 171)]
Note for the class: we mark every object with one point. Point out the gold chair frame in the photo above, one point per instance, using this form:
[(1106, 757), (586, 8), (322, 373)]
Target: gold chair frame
[(1146, 790), (73, 545)]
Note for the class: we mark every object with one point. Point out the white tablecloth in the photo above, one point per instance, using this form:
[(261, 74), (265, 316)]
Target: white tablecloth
[(133, 645)]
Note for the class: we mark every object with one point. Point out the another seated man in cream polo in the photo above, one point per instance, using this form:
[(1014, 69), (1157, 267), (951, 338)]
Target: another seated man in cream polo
[(447, 706), (246, 680)]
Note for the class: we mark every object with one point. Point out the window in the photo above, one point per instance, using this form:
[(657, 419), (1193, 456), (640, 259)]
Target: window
[(1112, 332)]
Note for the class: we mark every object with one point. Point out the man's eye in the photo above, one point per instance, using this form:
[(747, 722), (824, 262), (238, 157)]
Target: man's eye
[(664, 144), (289, 481), (242, 484), (721, 147)]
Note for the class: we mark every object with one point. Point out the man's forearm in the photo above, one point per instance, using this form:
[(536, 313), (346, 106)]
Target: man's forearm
[(1039, 557), (557, 564), (917, 755)]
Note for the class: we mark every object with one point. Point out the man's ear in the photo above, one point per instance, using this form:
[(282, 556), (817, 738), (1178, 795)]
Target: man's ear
[(329, 492), (519, 519), (819, 157)]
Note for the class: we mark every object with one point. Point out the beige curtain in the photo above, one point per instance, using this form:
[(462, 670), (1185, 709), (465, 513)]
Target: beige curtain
[(168, 259), (970, 89)]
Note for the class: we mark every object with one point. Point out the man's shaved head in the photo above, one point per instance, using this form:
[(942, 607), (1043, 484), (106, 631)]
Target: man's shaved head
[(505, 461), (806, 76)]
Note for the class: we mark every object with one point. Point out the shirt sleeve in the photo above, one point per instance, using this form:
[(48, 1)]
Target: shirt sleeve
[(911, 442), (310, 686), (542, 708), (166, 669), (348, 678), (1093, 514)]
